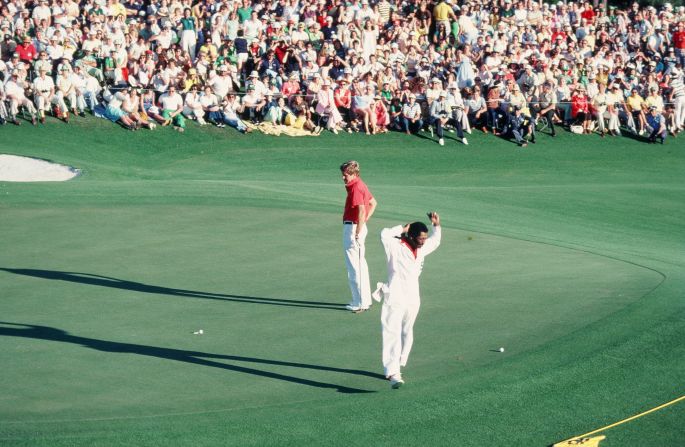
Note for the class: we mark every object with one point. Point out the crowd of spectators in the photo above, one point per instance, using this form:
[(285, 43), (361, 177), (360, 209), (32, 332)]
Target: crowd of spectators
[(500, 66)]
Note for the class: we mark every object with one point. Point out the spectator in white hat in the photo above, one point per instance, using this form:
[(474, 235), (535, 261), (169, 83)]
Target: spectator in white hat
[(16, 95), (43, 92), (433, 91), (253, 104), (411, 116), (439, 116), (66, 91), (458, 112), (86, 86), (253, 80), (313, 87), (220, 82), (656, 125), (325, 107)]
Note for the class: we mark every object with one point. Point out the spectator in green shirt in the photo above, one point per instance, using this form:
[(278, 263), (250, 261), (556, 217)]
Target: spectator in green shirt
[(245, 11)]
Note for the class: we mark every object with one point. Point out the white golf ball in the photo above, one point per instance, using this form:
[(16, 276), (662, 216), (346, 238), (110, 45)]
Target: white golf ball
[(500, 349), (202, 332)]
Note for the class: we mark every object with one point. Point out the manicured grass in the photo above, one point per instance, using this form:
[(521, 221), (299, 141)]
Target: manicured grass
[(567, 253)]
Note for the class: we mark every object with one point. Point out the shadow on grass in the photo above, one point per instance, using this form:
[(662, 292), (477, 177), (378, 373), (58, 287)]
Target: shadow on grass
[(8, 329), (627, 133), (115, 283)]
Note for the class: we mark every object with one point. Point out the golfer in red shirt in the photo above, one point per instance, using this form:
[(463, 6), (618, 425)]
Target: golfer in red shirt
[(359, 207)]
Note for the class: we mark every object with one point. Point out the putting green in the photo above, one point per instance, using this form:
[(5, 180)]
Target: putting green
[(147, 277)]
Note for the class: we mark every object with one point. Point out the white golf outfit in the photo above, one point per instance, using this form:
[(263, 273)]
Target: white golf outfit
[(401, 295)]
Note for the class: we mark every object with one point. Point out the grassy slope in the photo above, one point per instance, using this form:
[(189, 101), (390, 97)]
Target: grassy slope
[(574, 263)]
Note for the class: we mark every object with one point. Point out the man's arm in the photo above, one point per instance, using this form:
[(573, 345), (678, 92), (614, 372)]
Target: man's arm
[(372, 208), (433, 111), (433, 241), (391, 234)]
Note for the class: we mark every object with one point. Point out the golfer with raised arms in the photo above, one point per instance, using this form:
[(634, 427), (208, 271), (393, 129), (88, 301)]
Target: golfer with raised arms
[(405, 247), (359, 207)]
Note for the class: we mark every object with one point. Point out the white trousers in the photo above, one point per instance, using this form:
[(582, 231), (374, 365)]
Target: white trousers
[(72, 98), (679, 104), (197, 112), (43, 103), (611, 118), (334, 117), (189, 42), (58, 100), (357, 269), (15, 103), (397, 322), (80, 103)]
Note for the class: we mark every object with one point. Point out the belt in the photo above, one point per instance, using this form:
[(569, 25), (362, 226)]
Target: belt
[(348, 222)]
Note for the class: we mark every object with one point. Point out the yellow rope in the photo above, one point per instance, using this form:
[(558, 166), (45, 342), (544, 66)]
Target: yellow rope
[(628, 419)]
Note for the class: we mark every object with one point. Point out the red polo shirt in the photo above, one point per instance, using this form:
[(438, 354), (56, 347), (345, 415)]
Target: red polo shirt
[(578, 104), (588, 14), (357, 194), (679, 40), (343, 97), (27, 53)]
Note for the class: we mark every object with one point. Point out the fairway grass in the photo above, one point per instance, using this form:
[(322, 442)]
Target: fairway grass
[(568, 253)]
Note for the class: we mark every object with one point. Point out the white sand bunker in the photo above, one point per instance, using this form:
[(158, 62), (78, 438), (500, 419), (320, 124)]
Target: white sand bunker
[(14, 168)]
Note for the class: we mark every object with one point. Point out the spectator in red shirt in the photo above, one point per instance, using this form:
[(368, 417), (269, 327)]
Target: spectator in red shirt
[(678, 40), (281, 49), (558, 33), (580, 109), (343, 100), (291, 86), (588, 13), (27, 52)]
